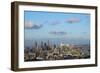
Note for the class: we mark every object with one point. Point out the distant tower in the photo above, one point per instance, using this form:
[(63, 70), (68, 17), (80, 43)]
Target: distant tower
[(48, 43), (45, 46), (49, 46), (54, 46), (36, 45), (42, 45)]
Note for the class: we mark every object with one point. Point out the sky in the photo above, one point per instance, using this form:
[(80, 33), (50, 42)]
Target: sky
[(40, 25)]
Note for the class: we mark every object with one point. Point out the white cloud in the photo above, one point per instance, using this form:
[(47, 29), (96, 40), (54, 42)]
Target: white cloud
[(73, 20), (58, 33), (28, 24), (55, 23), (31, 25)]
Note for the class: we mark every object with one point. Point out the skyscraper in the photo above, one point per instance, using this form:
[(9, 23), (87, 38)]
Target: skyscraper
[(36, 45), (42, 46)]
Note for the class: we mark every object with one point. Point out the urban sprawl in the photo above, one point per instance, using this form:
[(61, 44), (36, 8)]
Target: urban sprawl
[(46, 51)]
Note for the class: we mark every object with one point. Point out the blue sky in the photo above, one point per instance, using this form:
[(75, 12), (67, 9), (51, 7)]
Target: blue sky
[(40, 25)]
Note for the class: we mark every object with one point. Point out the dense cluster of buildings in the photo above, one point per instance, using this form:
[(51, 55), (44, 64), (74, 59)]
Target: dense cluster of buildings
[(46, 51)]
